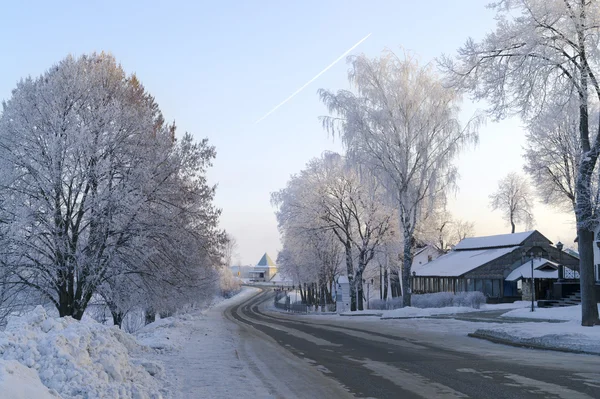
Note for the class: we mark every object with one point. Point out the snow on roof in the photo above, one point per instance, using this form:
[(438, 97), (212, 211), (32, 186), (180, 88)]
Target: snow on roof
[(457, 263), (524, 271), (265, 261), (497, 241)]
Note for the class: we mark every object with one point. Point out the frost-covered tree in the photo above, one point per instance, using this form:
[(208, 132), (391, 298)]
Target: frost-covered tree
[(514, 199), (442, 229), (96, 189), (328, 195), (401, 124), (542, 53), (553, 154)]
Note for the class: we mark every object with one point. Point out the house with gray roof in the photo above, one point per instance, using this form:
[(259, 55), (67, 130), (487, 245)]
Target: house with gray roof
[(499, 266)]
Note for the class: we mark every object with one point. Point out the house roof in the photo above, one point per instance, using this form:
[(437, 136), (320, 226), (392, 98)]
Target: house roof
[(524, 271), (265, 261), (456, 263), (497, 241)]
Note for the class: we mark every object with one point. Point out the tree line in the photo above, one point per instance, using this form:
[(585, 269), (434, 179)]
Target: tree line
[(99, 200)]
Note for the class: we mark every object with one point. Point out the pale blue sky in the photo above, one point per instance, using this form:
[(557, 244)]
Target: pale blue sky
[(216, 67)]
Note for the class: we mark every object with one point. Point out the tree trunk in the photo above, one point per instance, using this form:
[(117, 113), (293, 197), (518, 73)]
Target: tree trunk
[(350, 272), (589, 307), (360, 292), (406, 266), (512, 224), (385, 284), (149, 316)]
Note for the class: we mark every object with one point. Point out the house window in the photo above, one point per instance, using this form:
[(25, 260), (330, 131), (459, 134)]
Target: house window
[(478, 285), (470, 285), (496, 288)]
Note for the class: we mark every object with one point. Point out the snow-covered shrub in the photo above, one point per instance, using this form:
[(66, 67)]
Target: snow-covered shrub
[(472, 299), (385, 304), (77, 359), (230, 285)]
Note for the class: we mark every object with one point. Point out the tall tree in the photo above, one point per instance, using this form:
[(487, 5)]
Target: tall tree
[(542, 53), (515, 200), (104, 185), (402, 124), (330, 196), (553, 154)]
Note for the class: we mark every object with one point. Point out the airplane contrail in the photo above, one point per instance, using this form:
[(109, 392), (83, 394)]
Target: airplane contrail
[(315, 78)]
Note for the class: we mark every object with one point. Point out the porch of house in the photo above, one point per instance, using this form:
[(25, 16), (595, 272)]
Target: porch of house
[(495, 289)]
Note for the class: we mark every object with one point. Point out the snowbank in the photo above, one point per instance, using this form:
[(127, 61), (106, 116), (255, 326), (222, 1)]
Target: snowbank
[(569, 336), (20, 382), (76, 359), (567, 313)]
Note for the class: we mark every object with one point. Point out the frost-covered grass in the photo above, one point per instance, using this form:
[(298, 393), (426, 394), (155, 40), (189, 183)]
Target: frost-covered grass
[(76, 359)]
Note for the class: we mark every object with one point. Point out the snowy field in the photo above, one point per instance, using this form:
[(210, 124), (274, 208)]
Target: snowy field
[(569, 335), (567, 313)]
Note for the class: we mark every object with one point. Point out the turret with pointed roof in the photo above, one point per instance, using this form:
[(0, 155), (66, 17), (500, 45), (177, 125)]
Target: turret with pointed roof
[(266, 261)]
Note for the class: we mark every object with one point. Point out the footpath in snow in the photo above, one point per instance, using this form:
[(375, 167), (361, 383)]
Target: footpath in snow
[(200, 356)]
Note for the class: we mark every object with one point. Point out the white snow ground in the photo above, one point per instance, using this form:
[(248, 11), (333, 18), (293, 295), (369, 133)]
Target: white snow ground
[(567, 313), (200, 355), (562, 336)]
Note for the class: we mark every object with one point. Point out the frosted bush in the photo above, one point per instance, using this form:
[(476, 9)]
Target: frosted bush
[(472, 299), (385, 304)]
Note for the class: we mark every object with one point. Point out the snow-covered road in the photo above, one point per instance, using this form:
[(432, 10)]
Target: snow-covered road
[(423, 358)]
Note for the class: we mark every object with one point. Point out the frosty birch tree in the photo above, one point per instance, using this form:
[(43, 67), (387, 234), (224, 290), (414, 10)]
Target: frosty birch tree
[(330, 196), (402, 124), (515, 200), (542, 53)]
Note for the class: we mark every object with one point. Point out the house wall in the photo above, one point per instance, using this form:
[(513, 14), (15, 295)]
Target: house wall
[(422, 257)]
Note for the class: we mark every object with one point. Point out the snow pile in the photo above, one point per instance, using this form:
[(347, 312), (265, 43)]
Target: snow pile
[(76, 359), (567, 313), (20, 382), (164, 335), (569, 336)]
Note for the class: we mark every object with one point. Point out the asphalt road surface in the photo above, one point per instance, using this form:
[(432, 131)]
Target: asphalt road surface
[(397, 359)]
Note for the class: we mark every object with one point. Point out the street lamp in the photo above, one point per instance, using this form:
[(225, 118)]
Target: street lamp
[(561, 270), (532, 256)]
